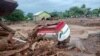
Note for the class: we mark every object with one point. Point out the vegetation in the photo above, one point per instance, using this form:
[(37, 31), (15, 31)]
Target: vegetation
[(75, 11), (17, 15), (30, 16)]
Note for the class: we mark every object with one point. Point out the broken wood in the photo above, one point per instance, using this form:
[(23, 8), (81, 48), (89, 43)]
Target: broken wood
[(4, 33), (12, 52), (6, 28), (7, 40)]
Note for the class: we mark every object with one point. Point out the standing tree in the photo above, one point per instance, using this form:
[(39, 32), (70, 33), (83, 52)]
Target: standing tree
[(86, 11), (96, 12), (17, 15), (30, 16), (66, 14), (54, 14), (75, 12)]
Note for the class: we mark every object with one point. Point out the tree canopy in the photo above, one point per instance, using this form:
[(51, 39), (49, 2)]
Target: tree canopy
[(17, 15), (30, 15), (76, 11)]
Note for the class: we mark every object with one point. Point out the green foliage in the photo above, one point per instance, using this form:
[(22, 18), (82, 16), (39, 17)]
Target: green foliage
[(75, 11), (67, 14), (96, 12), (17, 15), (57, 14), (54, 14), (83, 6), (60, 14), (83, 11), (30, 15)]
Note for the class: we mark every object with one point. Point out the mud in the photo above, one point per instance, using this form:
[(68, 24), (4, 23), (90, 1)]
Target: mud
[(45, 47)]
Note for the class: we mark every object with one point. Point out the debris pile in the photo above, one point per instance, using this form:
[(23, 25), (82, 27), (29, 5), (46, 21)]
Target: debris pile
[(6, 34), (34, 45), (8, 45), (48, 48)]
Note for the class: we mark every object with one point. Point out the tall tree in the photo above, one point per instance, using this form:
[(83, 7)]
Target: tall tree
[(86, 11), (17, 15), (66, 14), (96, 12), (75, 12)]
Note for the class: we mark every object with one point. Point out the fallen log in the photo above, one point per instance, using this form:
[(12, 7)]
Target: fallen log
[(4, 33), (7, 31), (6, 28)]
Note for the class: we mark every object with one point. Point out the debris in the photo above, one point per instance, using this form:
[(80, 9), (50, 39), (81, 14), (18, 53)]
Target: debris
[(20, 40), (8, 33), (98, 53), (33, 46), (11, 52), (9, 45)]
